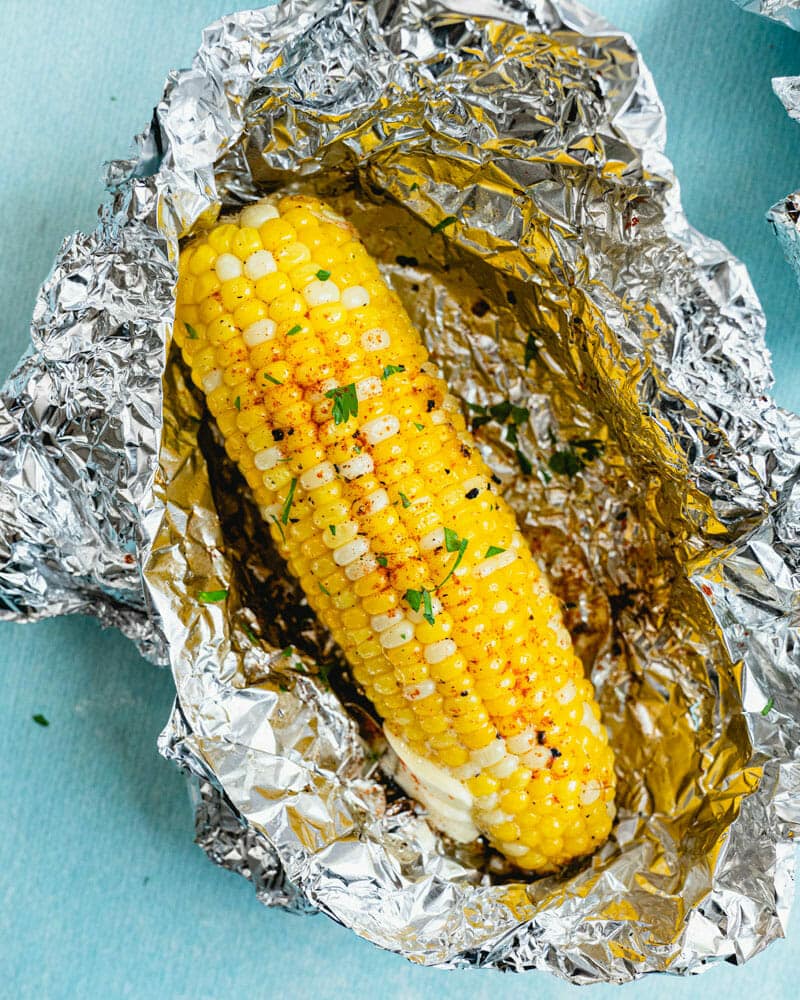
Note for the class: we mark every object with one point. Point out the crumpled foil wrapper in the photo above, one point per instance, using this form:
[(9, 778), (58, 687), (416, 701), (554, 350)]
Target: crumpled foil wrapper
[(784, 11), (785, 215), (504, 163)]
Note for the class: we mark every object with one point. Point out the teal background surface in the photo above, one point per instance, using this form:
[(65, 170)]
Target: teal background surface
[(102, 892)]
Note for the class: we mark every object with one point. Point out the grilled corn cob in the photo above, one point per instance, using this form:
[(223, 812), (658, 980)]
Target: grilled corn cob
[(380, 502)]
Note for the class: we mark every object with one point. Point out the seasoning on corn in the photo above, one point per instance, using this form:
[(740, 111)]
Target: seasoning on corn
[(381, 504)]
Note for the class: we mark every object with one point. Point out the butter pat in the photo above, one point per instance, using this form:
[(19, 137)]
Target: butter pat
[(448, 802)]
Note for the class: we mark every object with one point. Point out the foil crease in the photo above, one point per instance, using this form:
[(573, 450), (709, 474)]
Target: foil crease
[(784, 11), (785, 215), (505, 164)]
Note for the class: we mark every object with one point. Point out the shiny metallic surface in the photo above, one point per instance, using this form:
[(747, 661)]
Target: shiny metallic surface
[(505, 165), (785, 11)]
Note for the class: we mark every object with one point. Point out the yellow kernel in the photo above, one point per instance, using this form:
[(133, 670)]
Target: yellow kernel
[(479, 738), (330, 314), (249, 312), (220, 237), (222, 329), (244, 242), (292, 255), (210, 308), (286, 308), (379, 604), (301, 219), (204, 285), (484, 784), (236, 292), (202, 259), (436, 724), (455, 756), (271, 286), (514, 802), (301, 275), (505, 832), (276, 233)]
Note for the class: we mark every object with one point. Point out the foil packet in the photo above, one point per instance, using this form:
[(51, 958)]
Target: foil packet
[(784, 11), (504, 161)]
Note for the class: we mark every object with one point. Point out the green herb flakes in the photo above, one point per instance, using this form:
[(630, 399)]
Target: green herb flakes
[(289, 500), (404, 500), (764, 711), (448, 220), (345, 402), (493, 550), (40, 719), (212, 596), (294, 330), (271, 378), (390, 370), (190, 330)]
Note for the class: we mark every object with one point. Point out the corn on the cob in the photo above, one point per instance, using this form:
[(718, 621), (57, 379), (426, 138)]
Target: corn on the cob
[(384, 510)]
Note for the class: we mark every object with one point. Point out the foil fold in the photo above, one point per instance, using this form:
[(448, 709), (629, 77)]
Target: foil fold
[(784, 11), (505, 166)]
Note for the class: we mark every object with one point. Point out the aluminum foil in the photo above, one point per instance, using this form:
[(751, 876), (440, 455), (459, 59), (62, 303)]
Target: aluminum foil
[(504, 162), (785, 11)]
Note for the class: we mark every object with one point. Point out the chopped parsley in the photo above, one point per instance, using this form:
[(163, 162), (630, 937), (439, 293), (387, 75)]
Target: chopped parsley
[(531, 349), (524, 463), (271, 378), (453, 544), (249, 633), (238, 402), (295, 329), (414, 187), (280, 528), (212, 596), (383, 561), (324, 673), (323, 588), (448, 220), (493, 550), (40, 719), (576, 456), (289, 500), (193, 334), (323, 275), (421, 599), (768, 707), (287, 652), (345, 402), (404, 500), (332, 529), (420, 427), (390, 370)]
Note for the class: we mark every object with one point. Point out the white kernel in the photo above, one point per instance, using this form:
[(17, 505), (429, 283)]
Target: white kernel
[(438, 417), (375, 340), (475, 483), (466, 771), (590, 793), (259, 332), (537, 758), (514, 850), (419, 616), (344, 532), (504, 767), (381, 622), (488, 566), (376, 502), (267, 459), (271, 510), (496, 816), (591, 722), (500, 607), (433, 540), (318, 475), (486, 802), (320, 293), (397, 635), (487, 756), (347, 553), (566, 694), (256, 215), (228, 267), (367, 388), (416, 692), (357, 466), (361, 567), (435, 652), (213, 380), (522, 742), (259, 264), (381, 428), (355, 297)]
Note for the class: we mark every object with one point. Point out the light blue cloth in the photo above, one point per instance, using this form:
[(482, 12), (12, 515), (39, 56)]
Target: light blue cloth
[(102, 893)]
